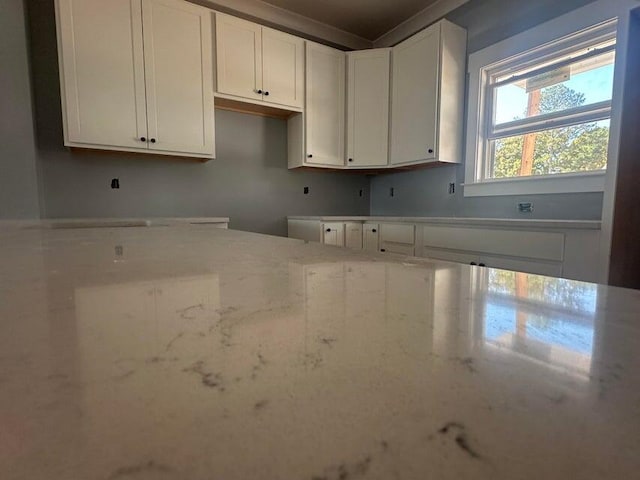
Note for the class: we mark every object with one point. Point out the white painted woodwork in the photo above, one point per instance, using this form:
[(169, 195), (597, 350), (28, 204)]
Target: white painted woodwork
[(333, 234), (136, 70), (353, 235), (428, 96), (553, 269), (238, 56), (398, 233), (368, 76), (179, 76), (398, 248), (282, 68), (370, 237), (325, 105), (307, 230), (102, 72), (514, 243)]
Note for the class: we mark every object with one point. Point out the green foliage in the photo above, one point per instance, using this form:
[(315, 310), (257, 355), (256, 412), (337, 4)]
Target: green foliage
[(577, 148)]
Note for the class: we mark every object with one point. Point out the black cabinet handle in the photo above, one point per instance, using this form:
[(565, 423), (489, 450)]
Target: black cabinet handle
[(328, 230), (383, 250), (351, 159), (153, 140), (474, 264), (481, 265), (374, 230), (266, 94), (431, 150), (259, 92), (143, 139), (309, 156)]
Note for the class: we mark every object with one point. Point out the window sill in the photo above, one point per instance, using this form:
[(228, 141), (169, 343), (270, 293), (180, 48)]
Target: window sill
[(566, 183)]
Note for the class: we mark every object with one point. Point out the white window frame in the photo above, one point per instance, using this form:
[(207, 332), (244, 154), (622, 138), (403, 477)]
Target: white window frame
[(533, 46)]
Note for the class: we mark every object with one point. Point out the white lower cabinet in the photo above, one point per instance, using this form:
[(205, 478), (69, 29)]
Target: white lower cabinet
[(333, 234), (397, 238), (551, 251), (370, 237), (353, 235)]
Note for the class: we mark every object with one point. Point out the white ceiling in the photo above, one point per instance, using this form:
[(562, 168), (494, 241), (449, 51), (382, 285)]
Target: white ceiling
[(368, 19)]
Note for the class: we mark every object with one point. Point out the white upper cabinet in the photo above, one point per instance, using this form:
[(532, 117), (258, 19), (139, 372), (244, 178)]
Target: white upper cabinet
[(136, 75), (282, 68), (325, 106), (428, 96), (239, 57), (258, 63), (179, 76), (102, 73), (368, 108)]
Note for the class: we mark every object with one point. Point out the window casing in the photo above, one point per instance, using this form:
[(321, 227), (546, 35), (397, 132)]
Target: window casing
[(543, 115)]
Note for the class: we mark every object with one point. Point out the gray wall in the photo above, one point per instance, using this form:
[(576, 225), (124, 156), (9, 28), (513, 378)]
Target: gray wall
[(18, 178), (248, 181), (425, 192)]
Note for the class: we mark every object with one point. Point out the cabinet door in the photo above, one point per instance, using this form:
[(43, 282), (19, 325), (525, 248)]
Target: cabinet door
[(325, 105), (414, 99), (282, 68), (368, 108), (370, 237), (179, 76), (333, 234), (552, 269), (239, 57), (102, 72), (353, 235)]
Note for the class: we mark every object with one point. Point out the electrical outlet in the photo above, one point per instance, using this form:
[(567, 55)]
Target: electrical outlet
[(525, 207), (361, 192), (115, 183), (306, 190), (452, 188), (392, 192)]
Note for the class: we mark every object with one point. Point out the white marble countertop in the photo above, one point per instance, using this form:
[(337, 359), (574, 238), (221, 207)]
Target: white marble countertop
[(200, 353), (496, 222), (74, 223)]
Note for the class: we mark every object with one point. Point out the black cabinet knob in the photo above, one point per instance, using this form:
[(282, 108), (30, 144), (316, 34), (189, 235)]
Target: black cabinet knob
[(266, 94), (153, 140), (328, 229), (309, 156), (383, 249), (351, 159), (431, 150), (481, 265), (474, 264), (143, 139), (259, 92), (374, 230)]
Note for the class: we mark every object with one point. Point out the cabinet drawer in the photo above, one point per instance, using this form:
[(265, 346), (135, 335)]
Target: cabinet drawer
[(397, 233), (399, 248), (512, 243)]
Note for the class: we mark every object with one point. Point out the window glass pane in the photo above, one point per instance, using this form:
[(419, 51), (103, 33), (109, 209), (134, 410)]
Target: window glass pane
[(582, 83), (578, 148)]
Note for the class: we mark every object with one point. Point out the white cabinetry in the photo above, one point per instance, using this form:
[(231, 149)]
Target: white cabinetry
[(397, 238), (333, 234), (368, 108), (259, 63), (324, 112), (353, 235), (428, 96), (370, 237), (136, 75)]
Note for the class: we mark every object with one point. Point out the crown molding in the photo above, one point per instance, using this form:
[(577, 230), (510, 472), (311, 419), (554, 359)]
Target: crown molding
[(420, 20), (272, 16)]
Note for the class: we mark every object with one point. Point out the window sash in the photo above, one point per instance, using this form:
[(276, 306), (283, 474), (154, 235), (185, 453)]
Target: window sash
[(564, 118), (550, 68)]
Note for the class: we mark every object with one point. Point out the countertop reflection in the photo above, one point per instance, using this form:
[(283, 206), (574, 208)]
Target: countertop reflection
[(200, 353)]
